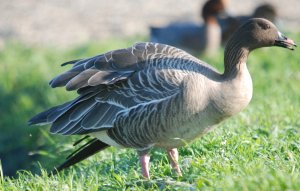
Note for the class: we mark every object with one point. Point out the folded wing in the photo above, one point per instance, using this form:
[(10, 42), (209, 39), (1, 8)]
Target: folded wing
[(114, 82)]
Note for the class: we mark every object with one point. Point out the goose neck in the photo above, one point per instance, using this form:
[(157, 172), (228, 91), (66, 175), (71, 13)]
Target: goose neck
[(211, 20), (235, 56)]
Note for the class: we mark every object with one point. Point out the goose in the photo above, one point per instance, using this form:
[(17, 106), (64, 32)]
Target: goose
[(194, 38), (153, 95), (230, 23)]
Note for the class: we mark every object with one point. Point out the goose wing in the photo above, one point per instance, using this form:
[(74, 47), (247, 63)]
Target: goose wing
[(116, 81), (117, 65)]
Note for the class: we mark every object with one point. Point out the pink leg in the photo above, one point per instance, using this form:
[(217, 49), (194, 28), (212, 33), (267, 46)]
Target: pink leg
[(144, 159), (173, 156)]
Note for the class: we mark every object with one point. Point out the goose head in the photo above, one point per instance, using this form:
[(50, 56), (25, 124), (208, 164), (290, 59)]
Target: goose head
[(257, 33), (213, 8)]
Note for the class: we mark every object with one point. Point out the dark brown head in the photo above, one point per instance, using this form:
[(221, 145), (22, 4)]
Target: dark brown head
[(212, 8), (258, 32)]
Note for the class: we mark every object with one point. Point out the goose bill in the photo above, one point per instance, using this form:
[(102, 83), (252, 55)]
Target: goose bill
[(285, 42)]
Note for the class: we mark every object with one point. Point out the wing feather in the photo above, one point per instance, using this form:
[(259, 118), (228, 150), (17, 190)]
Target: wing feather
[(81, 80), (114, 82), (101, 116), (115, 65)]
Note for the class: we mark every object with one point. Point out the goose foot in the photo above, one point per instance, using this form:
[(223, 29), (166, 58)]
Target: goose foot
[(173, 157), (144, 160)]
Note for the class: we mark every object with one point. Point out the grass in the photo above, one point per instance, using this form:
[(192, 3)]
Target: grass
[(259, 149)]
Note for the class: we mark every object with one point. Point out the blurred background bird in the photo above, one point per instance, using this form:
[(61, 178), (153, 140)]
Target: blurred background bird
[(194, 38), (218, 25), (230, 23)]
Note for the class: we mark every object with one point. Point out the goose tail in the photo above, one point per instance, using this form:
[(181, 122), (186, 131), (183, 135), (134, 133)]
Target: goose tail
[(90, 148)]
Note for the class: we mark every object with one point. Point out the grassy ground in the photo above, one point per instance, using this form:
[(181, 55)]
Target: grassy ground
[(259, 149)]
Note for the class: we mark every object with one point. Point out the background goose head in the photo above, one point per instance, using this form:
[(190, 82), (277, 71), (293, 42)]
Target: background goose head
[(211, 9), (267, 11), (257, 33)]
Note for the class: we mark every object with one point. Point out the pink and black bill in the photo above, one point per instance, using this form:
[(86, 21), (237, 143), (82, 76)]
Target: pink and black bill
[(283, 41)]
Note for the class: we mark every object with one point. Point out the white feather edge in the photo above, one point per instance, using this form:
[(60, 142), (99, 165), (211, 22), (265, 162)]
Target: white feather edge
[(102, 136)]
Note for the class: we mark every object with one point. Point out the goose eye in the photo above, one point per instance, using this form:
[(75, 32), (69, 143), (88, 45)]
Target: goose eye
[(264, 26), (268, 26)]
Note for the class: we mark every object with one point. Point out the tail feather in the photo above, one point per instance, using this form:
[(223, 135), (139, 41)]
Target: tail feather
[(52, 114), (90, 148), (42, 118)]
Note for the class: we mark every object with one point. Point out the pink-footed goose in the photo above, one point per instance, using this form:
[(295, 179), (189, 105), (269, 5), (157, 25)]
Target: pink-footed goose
[(153, 95)]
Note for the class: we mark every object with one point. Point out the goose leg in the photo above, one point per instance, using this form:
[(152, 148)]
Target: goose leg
[(173, 156), (144, 160)]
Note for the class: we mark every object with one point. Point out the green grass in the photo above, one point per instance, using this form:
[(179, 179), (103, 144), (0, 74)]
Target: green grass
[(259, 149)]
